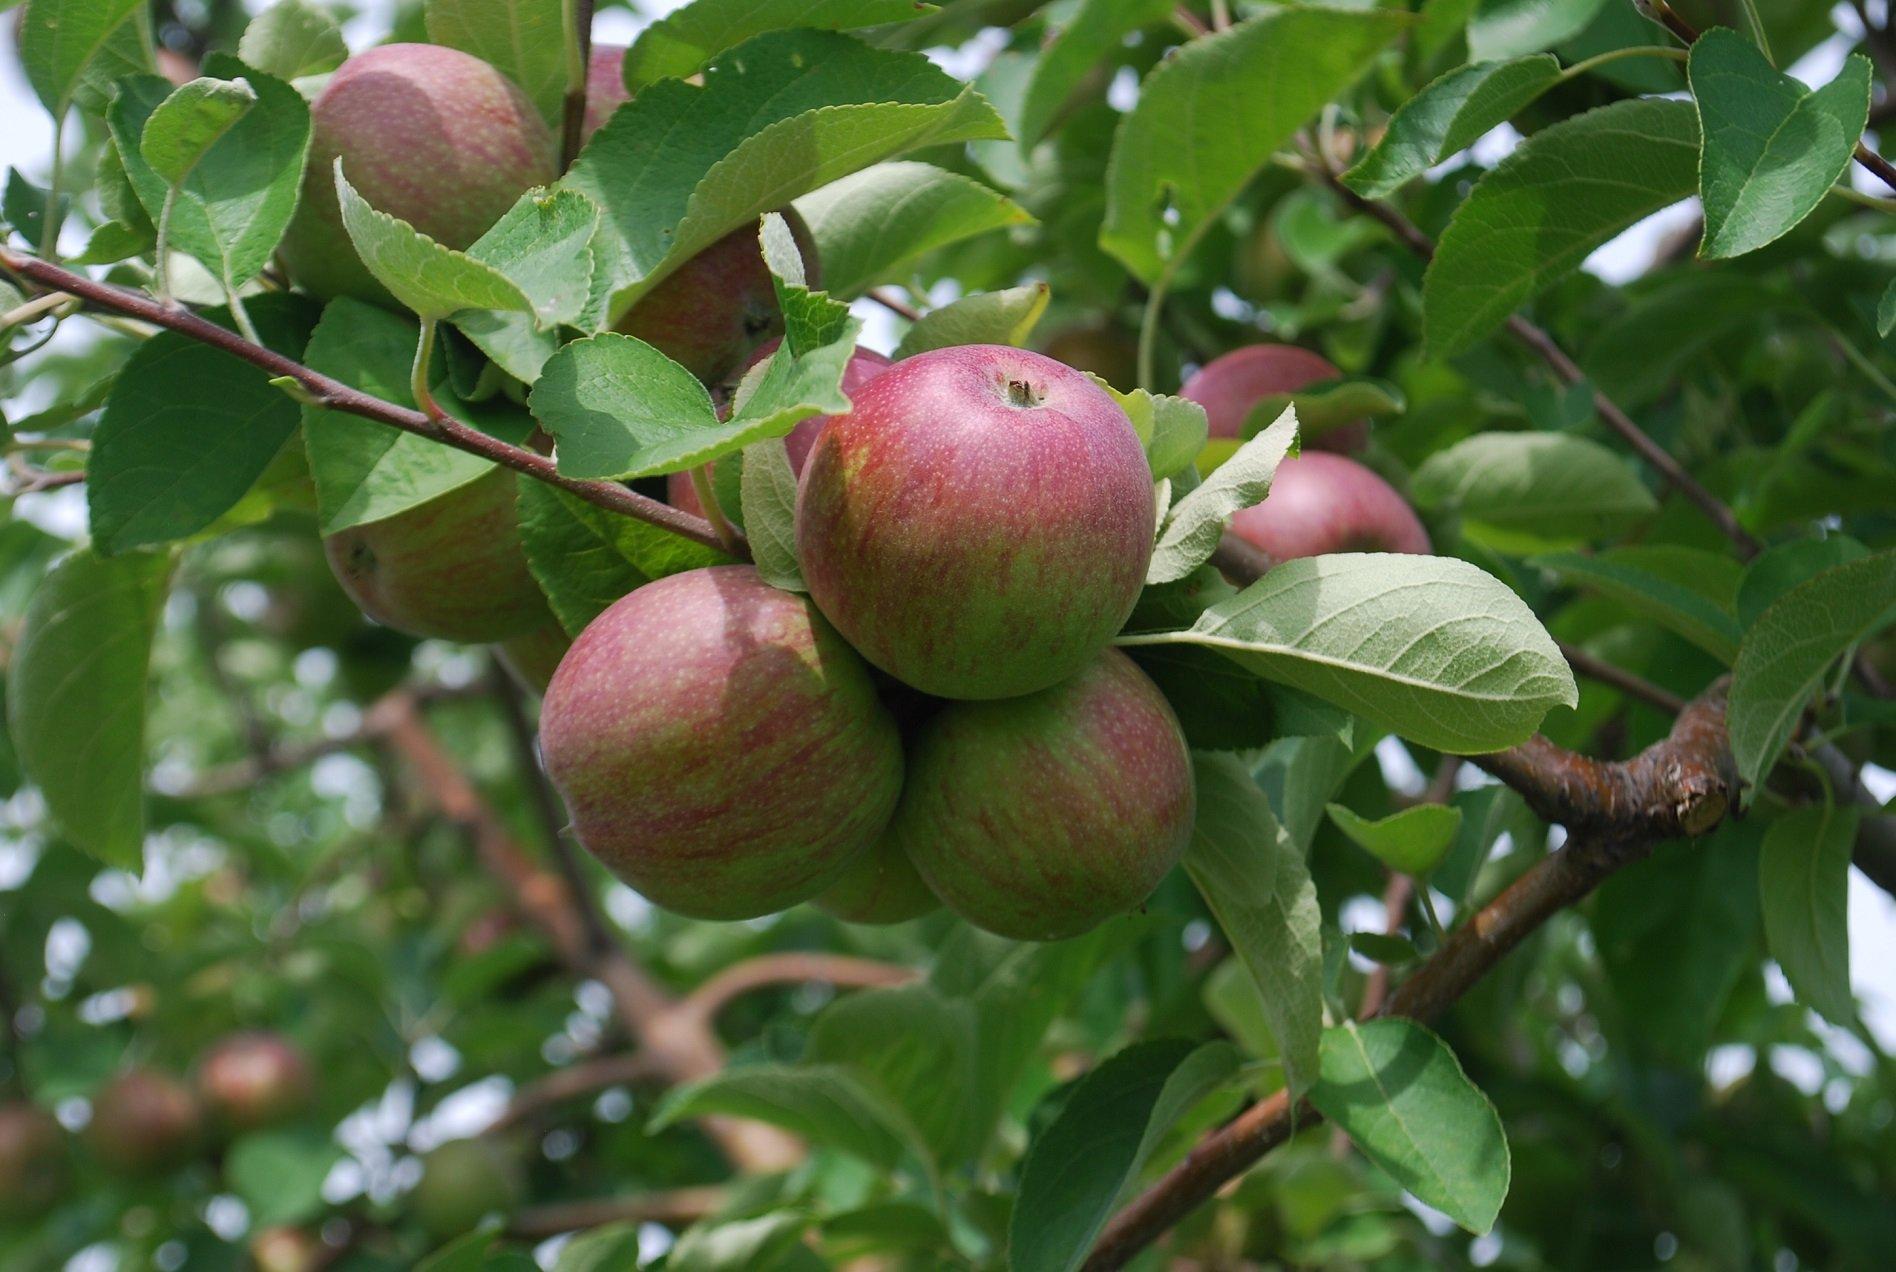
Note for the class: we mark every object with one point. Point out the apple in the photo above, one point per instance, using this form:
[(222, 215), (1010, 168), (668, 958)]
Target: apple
[(33, 1163), (430, 134), (980, 522), (1321, 503), (1107, 351), (1230, 385), (880, 886), (464, 1181), (251, 1080), (712, 312), (531, 658), (1040, 817), (605, 87), (144, 1122), (451, 568), (719, 747), (863, 366)]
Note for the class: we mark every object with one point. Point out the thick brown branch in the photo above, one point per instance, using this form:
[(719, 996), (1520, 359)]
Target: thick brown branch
[(334, 395), (706, 1001), (575, 1080)]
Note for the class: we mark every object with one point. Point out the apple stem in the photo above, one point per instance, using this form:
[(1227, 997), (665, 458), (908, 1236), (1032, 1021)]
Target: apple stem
[(708, 500)]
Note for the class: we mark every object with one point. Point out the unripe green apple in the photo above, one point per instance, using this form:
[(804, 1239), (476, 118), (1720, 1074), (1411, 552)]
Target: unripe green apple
[(1322, 503), (712, 312), (464, 1181), (450, 568), (251, 1080), (33, 1161), (430, 134), (720, 748), (144, 1122), (1230, 385), (1040, 817), (980, 523), (880, 886)]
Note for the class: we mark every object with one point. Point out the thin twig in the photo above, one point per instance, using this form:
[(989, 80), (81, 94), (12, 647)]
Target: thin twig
[(573, 105), (1621, 679), (894, 304), (675, 1208)]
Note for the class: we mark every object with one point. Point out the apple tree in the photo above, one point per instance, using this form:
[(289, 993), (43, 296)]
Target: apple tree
[(991, 634)]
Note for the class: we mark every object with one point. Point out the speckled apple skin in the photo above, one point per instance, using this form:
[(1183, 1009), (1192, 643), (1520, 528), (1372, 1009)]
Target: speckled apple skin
[(430, 134), (1038, 818), (968, 546), (719, 747), (879, 887), (1230, 385), (863, 366), (713, 311), (605, 87), (1322, 503), (451, 568)]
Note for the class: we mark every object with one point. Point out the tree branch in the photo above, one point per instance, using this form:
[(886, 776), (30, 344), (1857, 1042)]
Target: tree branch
[(334, 395), (675, 1208), (706, 1001)]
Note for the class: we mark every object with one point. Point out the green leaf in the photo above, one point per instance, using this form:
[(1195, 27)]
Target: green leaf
[(1401, 1096), (999, 317), (190, 121), (768, 1243), (1786, 651), (1504, 28), (681, 42), (279, 1174), (681, 165), (824, 1104), (1412, 842), (1541, 211), (66, 45), (187, 429), (606, 1248), (1176, 432), (770, 513), (1447, 117), (76, 697), (1197, 522), (24, 207), (291, 39), (232, 207), (434, 281), (585, 558), (1109, 1124), (1804, 885), (1772, 148), (1886, 311), (619, 408), (1431, 647), (1779, 569), (366, 471), (871, 226), (1183, 145), (523, 39), (1534, 487), (1686, 590), (1095, 30), (1254, 880), (543, 244), (1325, 407), (915, 1046)]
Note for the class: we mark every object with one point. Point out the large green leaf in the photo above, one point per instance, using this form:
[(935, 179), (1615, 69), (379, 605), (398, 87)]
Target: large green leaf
[(524, 39), (1787, 650), (279, 1174), (1094, 30), (1772, 148), (68, 45), (824, 1104), (681, 42), (1007, 316), (1253, 877), (1686, 590), (1504, 28), (1109, 1124), (1401, 1095), (291, 39), (1534, 486), (76, 697), (1209, 117), (872, 225), (1446, 117), (1413, 841), (1537, 215), (619, 408), (1195, 523), (184, 127), (1804, 886), (915, 1046), (432, 280), (1431, 647)]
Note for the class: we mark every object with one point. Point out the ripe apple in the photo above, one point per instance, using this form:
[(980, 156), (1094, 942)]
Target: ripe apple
[(1326, 503), (451, 568), (980, 523), (430, 134), (1040, 817), (33, 1163), (1230, 385), (251, 1080), (863, 366), (464, 1181), (713, 311), (143, 1122), (880, 886), (605, 86), (719, 747), (1107, 351)]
